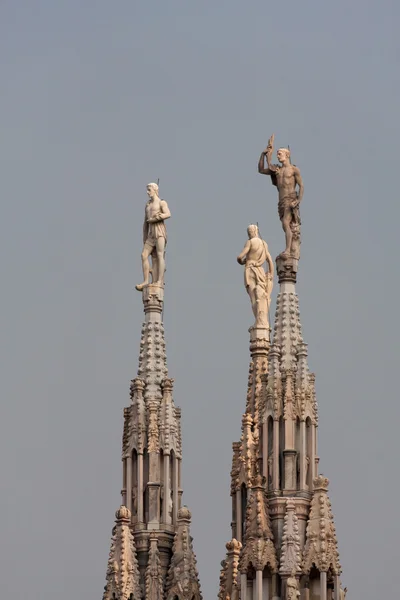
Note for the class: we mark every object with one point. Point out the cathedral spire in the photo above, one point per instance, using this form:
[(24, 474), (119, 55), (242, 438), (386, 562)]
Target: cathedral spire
[(152, 439), (282, 524)]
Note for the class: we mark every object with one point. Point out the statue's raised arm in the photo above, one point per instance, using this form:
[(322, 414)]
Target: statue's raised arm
[(265, 157)]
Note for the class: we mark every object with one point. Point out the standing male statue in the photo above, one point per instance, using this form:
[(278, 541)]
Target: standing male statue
[(257, 281), (285, 177), (154, 238)]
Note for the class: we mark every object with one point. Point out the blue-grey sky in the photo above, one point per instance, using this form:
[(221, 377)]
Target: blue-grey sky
[(100, 97)]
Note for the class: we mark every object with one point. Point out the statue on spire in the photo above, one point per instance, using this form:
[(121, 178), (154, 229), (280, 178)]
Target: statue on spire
[(154, 238), (285, 177), (257, 281)]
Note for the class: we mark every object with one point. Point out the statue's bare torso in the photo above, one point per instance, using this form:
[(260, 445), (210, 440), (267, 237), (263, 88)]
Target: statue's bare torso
[(286, 180)]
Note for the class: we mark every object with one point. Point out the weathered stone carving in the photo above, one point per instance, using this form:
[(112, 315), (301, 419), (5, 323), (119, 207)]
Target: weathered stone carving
[(258, 547), (285, 177), (153, 429), (290, 549), (229, 577), (122, 579), (183, 581), (154, 578), (292, 587), (154, 238), (247, 456), (342, 593), (321, 543), (257, 281)]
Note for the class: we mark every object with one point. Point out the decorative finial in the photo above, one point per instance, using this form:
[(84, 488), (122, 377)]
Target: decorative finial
[(285, 177), (154, 238), (321, 483)]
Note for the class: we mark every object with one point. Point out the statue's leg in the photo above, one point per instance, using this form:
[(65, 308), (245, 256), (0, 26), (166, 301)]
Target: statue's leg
[(160, 248), (145, 266), (251, 290), (154, 265), (286, 220), (261, 306)]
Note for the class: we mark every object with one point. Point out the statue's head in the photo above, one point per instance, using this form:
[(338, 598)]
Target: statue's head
[(152, 190), (283, 154), (252, 231)]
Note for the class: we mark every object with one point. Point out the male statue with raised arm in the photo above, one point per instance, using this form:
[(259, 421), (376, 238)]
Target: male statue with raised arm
[(257, 281), (154, 238), (285, 177)]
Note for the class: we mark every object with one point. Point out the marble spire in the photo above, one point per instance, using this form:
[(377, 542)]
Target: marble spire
[(284, 541), (154, 521)]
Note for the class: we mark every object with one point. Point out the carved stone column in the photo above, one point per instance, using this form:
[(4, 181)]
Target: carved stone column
[(303, 454), (336, 590), (175, 488), (313, 462), (323, 584), (243, 587), (129, 483), (306, 591), (265, 450), (140, 487), (239, 532), (259, 586), (276, 454), (274, 586), (289, 460), (166, 517)]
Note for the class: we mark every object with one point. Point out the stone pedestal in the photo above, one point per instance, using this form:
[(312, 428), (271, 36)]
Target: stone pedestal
[(153, 299), (259, 340), (287, 269)]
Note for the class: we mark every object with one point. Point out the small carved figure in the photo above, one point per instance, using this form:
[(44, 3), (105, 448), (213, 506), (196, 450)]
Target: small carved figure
[(270, 466), (285, 177), (170, 505), (257, 281), (292, 587), (342, 593), (154, 238), (308, 460), (134, 502)]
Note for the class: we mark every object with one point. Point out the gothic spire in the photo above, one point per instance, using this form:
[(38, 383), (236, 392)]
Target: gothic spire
[(183, 580), (258, 547), (152, 447), (321, 548), (122, 580)]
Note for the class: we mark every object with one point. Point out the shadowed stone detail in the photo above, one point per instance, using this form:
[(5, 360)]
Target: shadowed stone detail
[(122, 579), (183, 581)]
